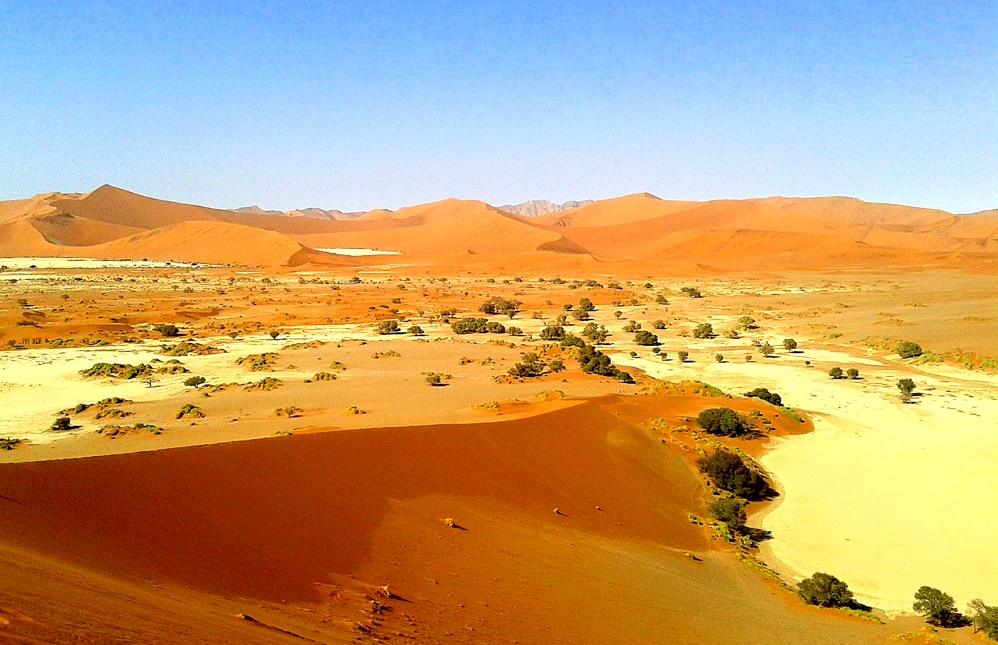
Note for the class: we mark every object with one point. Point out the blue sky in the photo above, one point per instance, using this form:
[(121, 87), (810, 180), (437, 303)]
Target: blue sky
[(356, 105)]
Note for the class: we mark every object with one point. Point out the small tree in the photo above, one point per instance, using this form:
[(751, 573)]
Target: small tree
[(646, 338), (168, 331), (729, 472), (416, 330), (835, 372), (585, 304), (195, 382), (984, 618), (765, 395), (937, 607), (824, 590), (719, 358), (274, 333), (789, 344), (853, 373), (906, 385), (683, 355), (61, 424)]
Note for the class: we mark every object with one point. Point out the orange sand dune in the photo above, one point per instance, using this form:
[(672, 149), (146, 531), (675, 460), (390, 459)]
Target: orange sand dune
[(299, 520), (447, 228)]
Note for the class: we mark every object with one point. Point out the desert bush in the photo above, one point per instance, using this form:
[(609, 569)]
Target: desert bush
[(531, 366), (580, 314), (167, 330), (766, 349), (722, 421), (597, 334), (661, 300), (593, 361), (853, 373), (789, 344), (719, 358), (632, 326), (117, 370), (585, 304), (907, 349), (194, 382), (683, 355), (258, 362), (494, 327), (747, 322), (274, 333), (835, 372), (9, 443), (386, 327), (731, 511), (824, 590), (190, 410), (416, 330), (703, 330), (61, 424), (728, 471), (514, 331), (291, 412), (765, 395), (906, 385), (937, 607), (645, 338), (692, 292), (553, 332)]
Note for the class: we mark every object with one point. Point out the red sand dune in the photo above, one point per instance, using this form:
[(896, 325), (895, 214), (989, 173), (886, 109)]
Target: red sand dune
[(638, 231), (300, 521)]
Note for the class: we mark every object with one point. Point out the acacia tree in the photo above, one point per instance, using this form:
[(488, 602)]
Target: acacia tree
[(937, 607), (824, 590)]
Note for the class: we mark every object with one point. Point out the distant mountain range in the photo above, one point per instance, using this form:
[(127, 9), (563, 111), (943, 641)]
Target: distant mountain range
[(538, 207)]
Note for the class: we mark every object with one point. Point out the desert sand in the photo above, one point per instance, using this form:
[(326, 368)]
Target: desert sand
[(321, 464)]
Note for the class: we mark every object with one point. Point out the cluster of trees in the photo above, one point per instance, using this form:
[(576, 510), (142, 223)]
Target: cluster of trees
[(724, 422), (728, 471), (938, 607), (765, 395), (837, 373), (532, 366), (497, 305), (597, 334), (593, 361), (477, 326)]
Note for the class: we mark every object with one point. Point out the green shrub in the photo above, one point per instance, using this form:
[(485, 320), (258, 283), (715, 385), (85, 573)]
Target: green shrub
[(908, 349), (765, 395), (853, 373), (728, 471), (416, 330), (722, 421), (168, 331), (730, 511), (553, 332), (497, 305), (825, 590), (835, 372), (789, 344), (386, 327), (703, 330), (645, 338)]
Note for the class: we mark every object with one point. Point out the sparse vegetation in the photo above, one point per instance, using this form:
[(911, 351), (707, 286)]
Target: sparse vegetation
[(835, 373), (497, 305), (692, 292), (190, 410), (983, 617), (258, 362), (167, 330), (416, 330), (9, 443), (682, 355), (553, 332), (789, 344), (852, 373), (117, 370)]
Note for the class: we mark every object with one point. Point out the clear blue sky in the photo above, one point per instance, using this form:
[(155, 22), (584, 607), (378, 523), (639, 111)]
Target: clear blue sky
[(357, 105)]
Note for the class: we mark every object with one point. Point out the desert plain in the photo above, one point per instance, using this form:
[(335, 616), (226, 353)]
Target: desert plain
[(357, 464)]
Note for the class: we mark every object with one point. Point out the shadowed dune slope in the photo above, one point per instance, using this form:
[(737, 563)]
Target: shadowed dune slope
[(289, 519)]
